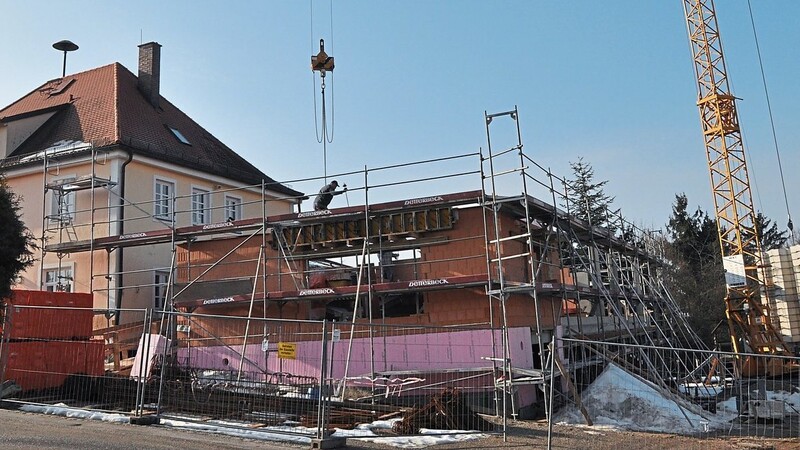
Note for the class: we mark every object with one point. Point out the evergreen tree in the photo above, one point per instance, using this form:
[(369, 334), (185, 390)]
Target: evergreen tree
[(586, 198), (768, 233), (693, 236), (17, 241), (696, 277)]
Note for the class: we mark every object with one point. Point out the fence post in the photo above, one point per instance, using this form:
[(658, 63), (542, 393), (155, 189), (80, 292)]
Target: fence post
[(321, 413), (167, 347), (144, 359), (5, 336)]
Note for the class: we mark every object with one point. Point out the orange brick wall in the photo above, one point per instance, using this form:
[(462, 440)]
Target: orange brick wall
[(465, 251), (463, 254), (466, 306), (213, 331), (289, 310), (195, 258), (447, 307)]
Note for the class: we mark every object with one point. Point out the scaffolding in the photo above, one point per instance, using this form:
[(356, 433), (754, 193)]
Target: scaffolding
[(390, 261), (62, 220)]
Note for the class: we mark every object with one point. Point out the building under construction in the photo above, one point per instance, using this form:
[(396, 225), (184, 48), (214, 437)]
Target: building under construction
[(137, 204), (521, 265), (470, 272)]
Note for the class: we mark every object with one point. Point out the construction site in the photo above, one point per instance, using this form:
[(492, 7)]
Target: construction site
[(385, 314)]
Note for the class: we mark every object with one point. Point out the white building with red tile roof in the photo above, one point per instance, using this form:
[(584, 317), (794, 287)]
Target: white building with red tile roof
[(101, 153)]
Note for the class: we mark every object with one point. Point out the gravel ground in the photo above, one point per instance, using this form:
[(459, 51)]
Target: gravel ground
[(19, 430)]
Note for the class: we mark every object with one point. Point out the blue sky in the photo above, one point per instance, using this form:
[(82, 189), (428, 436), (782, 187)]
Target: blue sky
[(611, 81)]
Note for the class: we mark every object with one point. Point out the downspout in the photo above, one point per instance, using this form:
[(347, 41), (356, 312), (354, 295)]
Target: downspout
[(121, 218)]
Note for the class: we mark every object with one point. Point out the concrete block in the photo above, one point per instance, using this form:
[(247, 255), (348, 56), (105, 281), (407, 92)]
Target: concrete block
[(328, 442), (149, 419)]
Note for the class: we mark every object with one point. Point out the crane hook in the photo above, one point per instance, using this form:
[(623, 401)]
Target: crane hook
[(321, 61)]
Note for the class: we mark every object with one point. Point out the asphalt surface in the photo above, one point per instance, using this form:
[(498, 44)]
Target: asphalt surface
[(20, 430)]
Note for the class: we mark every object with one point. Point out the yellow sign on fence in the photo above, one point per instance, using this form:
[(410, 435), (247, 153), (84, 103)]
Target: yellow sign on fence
[(287, 350)]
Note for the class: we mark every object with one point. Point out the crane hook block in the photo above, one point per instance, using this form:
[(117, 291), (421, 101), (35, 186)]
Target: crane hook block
[(321, 61)]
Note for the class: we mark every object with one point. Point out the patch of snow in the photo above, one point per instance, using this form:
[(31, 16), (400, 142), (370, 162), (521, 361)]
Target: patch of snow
[(428, 437), (727, 405), (728, 409), (791, 401), (364, 432), (273, 433), (700, 390), (384, 424), (593, 432), (61, 409), (280, 433), (620, 400)]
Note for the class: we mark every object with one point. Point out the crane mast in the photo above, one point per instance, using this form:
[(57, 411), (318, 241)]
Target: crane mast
[(748, 315)]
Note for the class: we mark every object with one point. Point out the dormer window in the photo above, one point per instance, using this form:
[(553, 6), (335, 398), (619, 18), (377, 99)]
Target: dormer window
[(179, 136)]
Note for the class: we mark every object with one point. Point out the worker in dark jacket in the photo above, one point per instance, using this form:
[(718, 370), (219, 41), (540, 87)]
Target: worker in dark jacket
[(326, 195)]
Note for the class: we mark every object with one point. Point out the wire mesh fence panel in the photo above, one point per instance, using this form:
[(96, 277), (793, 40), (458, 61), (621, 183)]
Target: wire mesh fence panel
[(706, 399), (318, 378), (238, 372), (399, 379), (75, 356)]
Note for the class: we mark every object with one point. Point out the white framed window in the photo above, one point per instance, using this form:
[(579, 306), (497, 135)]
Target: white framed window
[(58, 280), (163, 193), (62, 203), (233, 208), (201, 206), (160, 283)]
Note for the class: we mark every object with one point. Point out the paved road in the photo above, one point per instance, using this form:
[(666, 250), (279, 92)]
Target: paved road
[(20, 430)]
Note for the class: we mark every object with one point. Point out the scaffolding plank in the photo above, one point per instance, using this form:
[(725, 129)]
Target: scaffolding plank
[(349, 218), (456, 282)]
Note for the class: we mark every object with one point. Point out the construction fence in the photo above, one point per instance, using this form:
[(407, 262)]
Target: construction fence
[(314, 379), (299, 378), (710, 395), (55, 354)]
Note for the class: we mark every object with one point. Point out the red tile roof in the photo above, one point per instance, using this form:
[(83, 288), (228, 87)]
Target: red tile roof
[(104, 106)]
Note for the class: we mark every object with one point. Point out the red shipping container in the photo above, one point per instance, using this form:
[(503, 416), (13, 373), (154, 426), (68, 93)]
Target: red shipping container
[(47, 322)]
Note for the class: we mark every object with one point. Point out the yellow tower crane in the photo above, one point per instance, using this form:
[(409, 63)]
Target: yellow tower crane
[(747, 305)]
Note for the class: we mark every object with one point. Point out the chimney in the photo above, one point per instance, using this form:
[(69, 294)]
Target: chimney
[(150, 71)]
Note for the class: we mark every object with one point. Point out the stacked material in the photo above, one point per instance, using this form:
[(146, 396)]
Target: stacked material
[(49, 339), (445, 411), (781, 276)]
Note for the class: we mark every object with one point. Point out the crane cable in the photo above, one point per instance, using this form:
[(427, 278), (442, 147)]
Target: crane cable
[(789, 225), (322, 135)]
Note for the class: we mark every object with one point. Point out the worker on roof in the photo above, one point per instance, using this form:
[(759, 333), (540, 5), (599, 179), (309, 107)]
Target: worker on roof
[(326, 195)]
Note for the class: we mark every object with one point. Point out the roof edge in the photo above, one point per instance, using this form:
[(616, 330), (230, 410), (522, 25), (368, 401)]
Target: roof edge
[(36, 112), (115, 77), (37, 88)]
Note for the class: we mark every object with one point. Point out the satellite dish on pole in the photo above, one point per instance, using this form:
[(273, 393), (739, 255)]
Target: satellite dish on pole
[(65, 46)]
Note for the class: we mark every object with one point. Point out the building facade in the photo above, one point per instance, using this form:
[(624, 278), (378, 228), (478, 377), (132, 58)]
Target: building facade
[(101, 154)]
